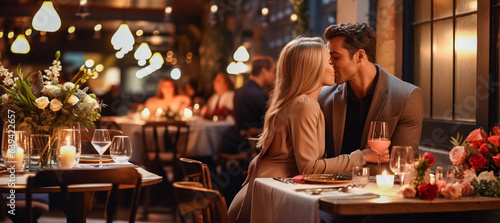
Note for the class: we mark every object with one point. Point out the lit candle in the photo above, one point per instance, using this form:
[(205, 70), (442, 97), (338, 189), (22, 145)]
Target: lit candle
[(159, 112), (17, 158), (385, 182), (188, 113), (67, 154), (145, 113)]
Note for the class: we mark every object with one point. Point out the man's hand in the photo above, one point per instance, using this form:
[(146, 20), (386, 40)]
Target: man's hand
[(372, 156)]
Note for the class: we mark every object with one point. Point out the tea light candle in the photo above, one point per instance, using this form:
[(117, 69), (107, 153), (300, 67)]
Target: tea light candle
[(188, 113), (385, 182), (159, 112), (18, 158), (67, 155), (145, 113)]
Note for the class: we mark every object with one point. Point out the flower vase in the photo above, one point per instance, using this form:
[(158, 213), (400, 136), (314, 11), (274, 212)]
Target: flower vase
[(42, 153)]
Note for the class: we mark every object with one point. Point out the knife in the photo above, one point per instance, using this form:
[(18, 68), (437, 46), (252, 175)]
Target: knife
[(283, 180), (320, 188)]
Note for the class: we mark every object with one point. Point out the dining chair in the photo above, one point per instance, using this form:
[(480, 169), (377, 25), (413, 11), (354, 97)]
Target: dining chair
[(198, 204), (158, 157), (196, 171), (63, 178)]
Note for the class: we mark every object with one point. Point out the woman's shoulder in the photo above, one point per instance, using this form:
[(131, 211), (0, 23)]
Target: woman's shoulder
[(304, 104)]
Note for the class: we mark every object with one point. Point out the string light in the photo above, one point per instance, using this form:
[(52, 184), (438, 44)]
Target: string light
[(28, 32)]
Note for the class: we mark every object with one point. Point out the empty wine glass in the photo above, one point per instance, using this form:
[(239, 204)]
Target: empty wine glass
[(401, 161), (378, 139), (101, 142), (120, 149)]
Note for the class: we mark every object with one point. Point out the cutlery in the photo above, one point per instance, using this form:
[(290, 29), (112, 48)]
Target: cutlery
[(324, 189), (284, 180)]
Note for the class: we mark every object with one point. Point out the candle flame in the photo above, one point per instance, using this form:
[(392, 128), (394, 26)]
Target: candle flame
[(384, 173), (67, 140)]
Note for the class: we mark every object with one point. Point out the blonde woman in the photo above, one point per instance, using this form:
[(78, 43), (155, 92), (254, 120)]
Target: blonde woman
[(293, 138)]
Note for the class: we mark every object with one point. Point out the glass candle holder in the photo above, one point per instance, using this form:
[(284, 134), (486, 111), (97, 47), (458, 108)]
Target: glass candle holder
[(69, 147)]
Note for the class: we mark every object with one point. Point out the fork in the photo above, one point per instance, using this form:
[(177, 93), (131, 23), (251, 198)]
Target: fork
[(284, 180)]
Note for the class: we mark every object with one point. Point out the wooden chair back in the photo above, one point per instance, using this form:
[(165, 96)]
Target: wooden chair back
[(151, 139), (62, 178), (196, 171), (200, 204)]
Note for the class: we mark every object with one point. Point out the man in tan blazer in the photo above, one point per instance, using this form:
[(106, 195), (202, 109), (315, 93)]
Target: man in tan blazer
[(365, 92)]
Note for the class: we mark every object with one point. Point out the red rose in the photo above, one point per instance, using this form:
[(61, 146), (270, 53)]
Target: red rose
[(477, 137), (429, 157), (484, 148), (477, 161), (496, 130), (427, 191), (496, 158), (495, 140)]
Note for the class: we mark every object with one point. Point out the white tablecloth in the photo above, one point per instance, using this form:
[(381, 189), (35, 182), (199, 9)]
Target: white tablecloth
[(274, 201)]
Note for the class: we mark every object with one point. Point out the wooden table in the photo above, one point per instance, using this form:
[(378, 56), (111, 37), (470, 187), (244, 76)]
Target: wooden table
[(274, 201), (83, 195)]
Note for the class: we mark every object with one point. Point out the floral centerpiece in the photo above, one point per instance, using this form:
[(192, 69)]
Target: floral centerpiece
[(44, 106), (478, 160)]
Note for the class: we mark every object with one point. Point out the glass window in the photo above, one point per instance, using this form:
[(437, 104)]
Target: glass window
[(422, 10), (422, 63), (464, 6), (465, 68), (442, 70), (442, 8)]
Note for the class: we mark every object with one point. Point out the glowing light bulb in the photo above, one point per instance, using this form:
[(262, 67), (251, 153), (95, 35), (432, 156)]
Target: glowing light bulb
[(142, 53), (293, 17), (265, 11), (89, 63), (46, 19), (71, 29), (99, 67), (98, 27), (123, 39), (241, 54), (139, 32), (168, 9), (175, 73), (214, 8), (20, 45), (28, 32)]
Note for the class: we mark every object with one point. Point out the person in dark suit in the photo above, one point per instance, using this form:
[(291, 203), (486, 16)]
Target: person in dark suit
[(365, 92)]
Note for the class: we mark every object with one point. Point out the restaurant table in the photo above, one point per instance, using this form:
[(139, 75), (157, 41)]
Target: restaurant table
[(204, 135), (83, 194), (274, 201)]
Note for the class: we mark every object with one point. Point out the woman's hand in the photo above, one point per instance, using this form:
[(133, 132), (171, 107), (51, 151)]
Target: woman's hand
[(371, 156)]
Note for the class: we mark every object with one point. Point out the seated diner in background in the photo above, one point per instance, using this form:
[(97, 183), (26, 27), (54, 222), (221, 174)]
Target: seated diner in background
[(220, 104), (167, 99)]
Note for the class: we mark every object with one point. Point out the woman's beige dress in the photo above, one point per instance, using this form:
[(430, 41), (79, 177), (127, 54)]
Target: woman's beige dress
[(295, 146)]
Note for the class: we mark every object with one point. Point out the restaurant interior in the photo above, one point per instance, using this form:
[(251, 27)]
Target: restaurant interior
[(124, 50)]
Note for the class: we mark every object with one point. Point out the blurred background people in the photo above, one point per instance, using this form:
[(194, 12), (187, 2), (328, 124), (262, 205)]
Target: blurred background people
[(166, 98), (221, 102)]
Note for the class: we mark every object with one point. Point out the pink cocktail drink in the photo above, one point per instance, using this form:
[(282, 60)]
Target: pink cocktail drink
[(379, 145)]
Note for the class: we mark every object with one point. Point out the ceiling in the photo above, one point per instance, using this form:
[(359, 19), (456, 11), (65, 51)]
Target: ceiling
[(148, 15)]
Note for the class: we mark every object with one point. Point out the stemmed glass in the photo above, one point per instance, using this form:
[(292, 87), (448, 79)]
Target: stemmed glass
[(101, 142), (401, 161), (378, 139)]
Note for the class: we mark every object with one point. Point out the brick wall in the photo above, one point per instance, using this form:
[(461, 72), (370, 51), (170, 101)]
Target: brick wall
[(386, 45)]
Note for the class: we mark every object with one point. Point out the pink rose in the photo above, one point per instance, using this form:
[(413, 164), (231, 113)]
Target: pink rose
[(495, 140), (477, 137), (441, 184), (477, 161), (429, 157), (469, 175), (466, 188), (407, 191), (496, 130), (458, 155), (496, 158), (452, 191), (484, 148)]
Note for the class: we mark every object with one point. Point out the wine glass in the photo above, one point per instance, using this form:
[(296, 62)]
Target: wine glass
[(120, 149), (101, 142), (378, 139), (401, 161)]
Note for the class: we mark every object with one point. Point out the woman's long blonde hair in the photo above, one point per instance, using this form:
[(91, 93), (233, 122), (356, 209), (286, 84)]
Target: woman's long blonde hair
[(299, 71)]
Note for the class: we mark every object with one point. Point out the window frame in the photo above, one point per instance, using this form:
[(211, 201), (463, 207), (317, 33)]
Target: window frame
[(437, 132)]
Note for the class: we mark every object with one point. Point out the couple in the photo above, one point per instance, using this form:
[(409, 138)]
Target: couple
[(294, 136)]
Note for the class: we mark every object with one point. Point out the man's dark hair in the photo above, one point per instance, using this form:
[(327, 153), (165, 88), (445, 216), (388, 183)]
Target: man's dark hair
[(259, 63), (357, 36)]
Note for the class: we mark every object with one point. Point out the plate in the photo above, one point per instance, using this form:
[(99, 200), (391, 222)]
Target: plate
[(327, 179), (94, 158)]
